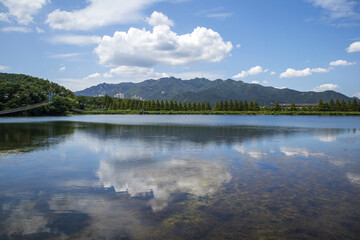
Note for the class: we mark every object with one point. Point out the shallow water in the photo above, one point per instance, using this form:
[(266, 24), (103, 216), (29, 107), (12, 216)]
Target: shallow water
[(180, 177)]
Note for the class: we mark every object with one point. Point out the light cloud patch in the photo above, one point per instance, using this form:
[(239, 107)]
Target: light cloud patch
[(336, 9), (16, 29), (142, 48), (22, 10), (354, 47), (3, 68), (65, 55), (252, 71), (98, 14), (292, 73), (303, 152), (325, 87), (341, 63), (78, 40)]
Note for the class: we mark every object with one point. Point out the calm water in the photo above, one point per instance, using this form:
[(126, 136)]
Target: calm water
[(180, 177)]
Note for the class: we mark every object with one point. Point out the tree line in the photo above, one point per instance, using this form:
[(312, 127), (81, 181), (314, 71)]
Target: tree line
[(110, 103)]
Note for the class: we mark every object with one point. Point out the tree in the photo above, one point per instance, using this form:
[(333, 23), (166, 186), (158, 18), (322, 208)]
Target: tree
[(221, 106), (320, 105), (256, 106), (167, 106), (292, 106), (157, 105), (343, 106), (355, 106), (331, 105), (236, 106), (231, 105), (337, 105), (277, 106), (203, 106), (241, 106), (216, 107), (349, 106), (246, 106), (207, 107), (198, 106), (251, 106)]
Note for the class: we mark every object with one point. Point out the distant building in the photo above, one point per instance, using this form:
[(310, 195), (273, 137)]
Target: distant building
[(297, 104), (119, 95), (136, 97), (100, 95)]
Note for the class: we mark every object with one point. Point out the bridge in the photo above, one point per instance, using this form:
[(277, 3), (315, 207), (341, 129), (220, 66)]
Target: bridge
[(24, 108)]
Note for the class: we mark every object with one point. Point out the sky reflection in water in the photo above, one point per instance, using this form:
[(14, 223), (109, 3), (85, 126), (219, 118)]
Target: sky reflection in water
[(97, 180)]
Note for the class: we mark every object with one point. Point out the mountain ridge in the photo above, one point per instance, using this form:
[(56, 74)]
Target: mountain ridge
[(202, 89)]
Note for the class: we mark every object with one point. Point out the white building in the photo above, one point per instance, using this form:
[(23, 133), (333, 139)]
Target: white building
[(119, 95)]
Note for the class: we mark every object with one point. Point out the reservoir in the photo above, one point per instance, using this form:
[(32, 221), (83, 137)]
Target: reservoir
[(180, 177)]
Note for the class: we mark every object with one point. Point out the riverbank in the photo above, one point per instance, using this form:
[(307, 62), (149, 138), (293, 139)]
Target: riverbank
[(137, 112)]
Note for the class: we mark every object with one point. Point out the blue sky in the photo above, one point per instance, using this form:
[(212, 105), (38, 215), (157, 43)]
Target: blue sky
[(299, 44)]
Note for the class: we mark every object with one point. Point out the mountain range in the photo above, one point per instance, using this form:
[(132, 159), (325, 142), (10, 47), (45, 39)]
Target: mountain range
[(202, 89)]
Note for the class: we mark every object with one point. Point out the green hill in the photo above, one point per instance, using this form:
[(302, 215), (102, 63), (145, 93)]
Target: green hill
[(17, 90), (201, 89)]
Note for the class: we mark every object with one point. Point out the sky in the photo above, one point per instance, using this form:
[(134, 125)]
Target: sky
[(306, 45)]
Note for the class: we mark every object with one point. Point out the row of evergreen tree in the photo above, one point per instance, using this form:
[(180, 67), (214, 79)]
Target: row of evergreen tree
[(156, 105)]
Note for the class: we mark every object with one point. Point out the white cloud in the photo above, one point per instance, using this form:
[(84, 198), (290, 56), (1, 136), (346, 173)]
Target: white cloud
[(272, 73), (291, 73), (22, 10), (79, 40), (4, 17), (192, 75), (336, 8), (238, 45), (354, 47), (142, 48), (252, 71), (3, 68), (325, 87), (98, 13), (63, 68), (94, 75), (16, 29), (65, 55), (341, 63), (158, 18), (357, 95), (255, 82), (265, 82), (134, 73), (39, 30), (221, 15)]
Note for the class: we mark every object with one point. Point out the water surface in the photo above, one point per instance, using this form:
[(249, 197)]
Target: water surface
[(180, 177)]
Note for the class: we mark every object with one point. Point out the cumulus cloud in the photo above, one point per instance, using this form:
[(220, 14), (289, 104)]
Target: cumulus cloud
[(142, 48), (341, 63), (79, 40), (272, 73), (325, 87), (252, 71), (291, 73), (336, 8), (98, 14), (238, 45), (16, 29), (63, 68), (158, 18), (23, 10), (354, 47)]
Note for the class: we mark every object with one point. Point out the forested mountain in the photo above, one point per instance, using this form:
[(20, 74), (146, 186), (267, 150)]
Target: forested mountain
[(201, 89), (18, 90)]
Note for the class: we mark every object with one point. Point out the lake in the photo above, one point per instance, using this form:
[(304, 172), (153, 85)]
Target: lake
[(180, 177)]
